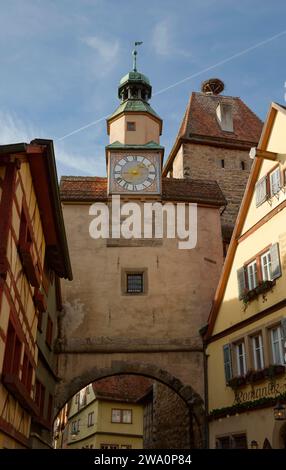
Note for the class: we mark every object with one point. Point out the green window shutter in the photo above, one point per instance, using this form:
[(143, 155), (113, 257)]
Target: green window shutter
[(261, 191), (275, 261), (227, 362), (241, 282)]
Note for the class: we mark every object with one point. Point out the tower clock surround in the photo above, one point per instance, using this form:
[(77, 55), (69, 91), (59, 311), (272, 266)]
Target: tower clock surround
[(134, 172)]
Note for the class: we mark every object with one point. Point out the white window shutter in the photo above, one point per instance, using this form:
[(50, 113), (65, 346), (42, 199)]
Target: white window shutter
[(275, 261), (275, 181), (261, 191), (241, 282)]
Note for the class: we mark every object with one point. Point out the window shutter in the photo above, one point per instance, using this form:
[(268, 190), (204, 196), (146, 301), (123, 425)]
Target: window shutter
[(283, 327), (261, 191), (275, 261), (227, 362), (241, 282)]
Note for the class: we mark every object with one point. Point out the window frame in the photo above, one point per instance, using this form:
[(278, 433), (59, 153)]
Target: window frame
[(231, 439), (128, 289), (257, 351), (259, 268), (90, 422), (275, 170), (269, 193), (109, 446), (248, 266), (129, 125), (124, 281), (280, 345), (12, 351), (121, 412), (266, 254), (240, 373)]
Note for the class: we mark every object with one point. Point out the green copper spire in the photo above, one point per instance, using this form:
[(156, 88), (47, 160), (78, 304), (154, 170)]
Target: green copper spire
[(134, 53), (134, 91)]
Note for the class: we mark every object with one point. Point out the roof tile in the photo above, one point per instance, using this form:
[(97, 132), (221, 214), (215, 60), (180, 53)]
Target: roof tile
[(200, 122), (92, 189)]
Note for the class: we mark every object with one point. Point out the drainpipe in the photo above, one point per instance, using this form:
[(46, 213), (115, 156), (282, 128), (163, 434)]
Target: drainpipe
[(207, 443), (202, 332)]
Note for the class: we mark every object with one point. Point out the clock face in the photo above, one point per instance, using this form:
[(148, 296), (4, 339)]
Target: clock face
[(134, 173)]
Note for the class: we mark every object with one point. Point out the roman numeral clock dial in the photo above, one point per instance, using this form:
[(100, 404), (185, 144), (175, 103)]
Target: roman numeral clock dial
[(134, 173)]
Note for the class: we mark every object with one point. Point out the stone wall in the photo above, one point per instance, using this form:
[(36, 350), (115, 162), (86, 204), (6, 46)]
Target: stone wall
[(205, 162), (171, 420)]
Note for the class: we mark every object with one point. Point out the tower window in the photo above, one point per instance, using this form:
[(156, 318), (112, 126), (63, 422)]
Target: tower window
[(131, 126), (242, 165), (222, 163), (135, 283)]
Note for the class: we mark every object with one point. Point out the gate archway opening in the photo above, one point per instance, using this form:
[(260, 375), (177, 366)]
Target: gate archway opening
[(165, 398)]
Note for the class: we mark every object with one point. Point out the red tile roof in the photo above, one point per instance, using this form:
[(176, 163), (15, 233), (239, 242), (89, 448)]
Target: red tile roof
[(200, 124), (122, 387), (93, 189)]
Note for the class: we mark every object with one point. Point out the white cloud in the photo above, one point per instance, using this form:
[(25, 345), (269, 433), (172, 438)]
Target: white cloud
[(14, 130), (163, 40), (88, 165), (105, 54), (107, 50)]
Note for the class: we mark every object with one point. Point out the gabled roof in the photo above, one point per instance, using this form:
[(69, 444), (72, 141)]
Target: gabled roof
[(246, 201), (41, 158), (200, 124), (91, 189)]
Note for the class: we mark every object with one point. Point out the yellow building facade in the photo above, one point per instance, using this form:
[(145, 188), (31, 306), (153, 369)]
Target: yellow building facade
[(246, 336), (96, 421)]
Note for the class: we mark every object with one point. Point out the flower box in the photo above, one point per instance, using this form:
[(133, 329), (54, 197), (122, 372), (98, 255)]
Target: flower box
[(263, 287), (236, 382), (274, 370)]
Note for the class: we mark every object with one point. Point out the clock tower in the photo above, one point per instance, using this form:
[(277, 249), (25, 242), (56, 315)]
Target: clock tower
[(134, 154)]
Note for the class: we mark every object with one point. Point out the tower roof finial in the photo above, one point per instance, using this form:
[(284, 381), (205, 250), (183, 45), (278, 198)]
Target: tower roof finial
[(134, 53)]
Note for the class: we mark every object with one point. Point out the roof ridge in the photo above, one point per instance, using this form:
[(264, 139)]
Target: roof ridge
[(190, 180), (82, 178)]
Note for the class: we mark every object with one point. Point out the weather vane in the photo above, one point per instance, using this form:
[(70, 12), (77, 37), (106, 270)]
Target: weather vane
[(134, 53)]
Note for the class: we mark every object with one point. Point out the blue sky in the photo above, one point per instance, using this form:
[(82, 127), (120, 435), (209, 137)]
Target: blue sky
[(61, 61)]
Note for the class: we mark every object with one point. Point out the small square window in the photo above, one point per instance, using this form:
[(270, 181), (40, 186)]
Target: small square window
[(126, 416), (135, 283), (131, 126), (116, 416)]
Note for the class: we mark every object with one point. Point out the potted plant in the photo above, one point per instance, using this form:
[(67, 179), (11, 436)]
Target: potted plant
[(254, 375), (236, 382)]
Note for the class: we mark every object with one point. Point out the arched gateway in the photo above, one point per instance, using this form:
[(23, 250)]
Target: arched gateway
[(192, 400), (137, 302)]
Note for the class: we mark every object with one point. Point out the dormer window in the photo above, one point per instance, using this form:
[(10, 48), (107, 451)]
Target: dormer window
[(224, 116)]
